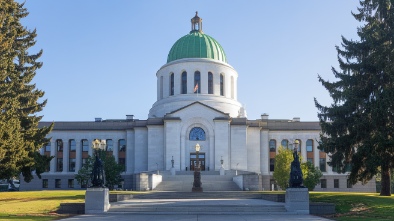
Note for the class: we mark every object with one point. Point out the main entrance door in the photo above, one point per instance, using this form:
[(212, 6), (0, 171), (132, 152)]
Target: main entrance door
[(193, 161)]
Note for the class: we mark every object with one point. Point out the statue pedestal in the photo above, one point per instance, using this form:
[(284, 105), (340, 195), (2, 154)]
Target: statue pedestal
[(221, 171), (96, 200), (172, 171), (297, 200)]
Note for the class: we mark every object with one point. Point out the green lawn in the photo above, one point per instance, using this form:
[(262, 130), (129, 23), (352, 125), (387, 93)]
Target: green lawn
[(357, 206), (36, 205)]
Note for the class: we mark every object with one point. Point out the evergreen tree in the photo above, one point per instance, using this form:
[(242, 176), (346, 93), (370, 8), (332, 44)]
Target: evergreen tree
[(20, 137), (358, 128), (112, 172), (311, 175), (84, 174)]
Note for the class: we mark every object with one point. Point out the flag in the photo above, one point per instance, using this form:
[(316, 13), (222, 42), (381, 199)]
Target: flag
[(196, 88)]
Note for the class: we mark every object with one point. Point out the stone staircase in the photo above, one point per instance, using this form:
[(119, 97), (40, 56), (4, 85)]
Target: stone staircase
[(183, 182), (189, 203)]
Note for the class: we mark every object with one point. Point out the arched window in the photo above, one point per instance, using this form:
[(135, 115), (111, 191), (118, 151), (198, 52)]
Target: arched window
[(221, 85), (210, 83), (184, 82), (272, 145), (197, 133), (285, 143), (309, 145), (172, 84), (197, 82)]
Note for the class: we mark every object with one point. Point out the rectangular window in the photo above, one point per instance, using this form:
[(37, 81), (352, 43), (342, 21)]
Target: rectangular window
[(71, 166), (72, 147), (323, 183), (70, 183), (59, 145), (272, 164), (349, 184), (336, 183), (323, 164), (122, 161), (309, 145), (59, 166), (48, 147), (109, 145), (122, 145), (310, 160), (272, 145), (85, 145), (285, 143), (58, 183), (44, 183), (84, 161)]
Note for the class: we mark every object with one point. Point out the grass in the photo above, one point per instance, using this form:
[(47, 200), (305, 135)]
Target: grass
[(357, 206), (36, 205)]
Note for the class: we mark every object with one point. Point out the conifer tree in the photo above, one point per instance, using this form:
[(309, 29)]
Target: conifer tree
[(20, 136), (358, 128)]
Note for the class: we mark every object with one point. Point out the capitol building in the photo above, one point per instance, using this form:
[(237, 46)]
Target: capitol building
[(197, 103)]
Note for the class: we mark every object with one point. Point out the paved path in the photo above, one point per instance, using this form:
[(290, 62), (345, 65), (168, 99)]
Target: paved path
[(174, 210), (142, 217)]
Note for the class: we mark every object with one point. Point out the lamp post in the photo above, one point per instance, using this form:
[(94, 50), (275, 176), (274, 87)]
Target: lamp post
[(197, 174), (98, 169)]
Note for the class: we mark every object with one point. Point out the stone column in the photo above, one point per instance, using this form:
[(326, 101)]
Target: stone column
[(183, 150), (90, 149), (264, 152), (53, 153), (115, 151), (66, 154), (316, 155), (303, 150), (78, 155), (129, 152), (212, 160)]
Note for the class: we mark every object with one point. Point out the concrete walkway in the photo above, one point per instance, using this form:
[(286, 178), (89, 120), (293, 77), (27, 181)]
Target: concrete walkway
[(196, 209), (243, 217)]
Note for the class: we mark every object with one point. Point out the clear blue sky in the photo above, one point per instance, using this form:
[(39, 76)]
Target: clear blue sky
[(101, 57)]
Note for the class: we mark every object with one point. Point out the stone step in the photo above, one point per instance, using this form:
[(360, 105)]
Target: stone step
[(201, 195), (200, 209), (185, 185)]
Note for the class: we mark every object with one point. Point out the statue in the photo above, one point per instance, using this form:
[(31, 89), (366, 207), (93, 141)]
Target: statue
[(97, 173), (295, 172)]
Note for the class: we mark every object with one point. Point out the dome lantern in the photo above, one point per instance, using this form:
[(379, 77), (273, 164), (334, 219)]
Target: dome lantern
[(196, 24)]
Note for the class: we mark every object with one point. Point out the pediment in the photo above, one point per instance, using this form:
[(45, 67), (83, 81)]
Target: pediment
[(197, 109)]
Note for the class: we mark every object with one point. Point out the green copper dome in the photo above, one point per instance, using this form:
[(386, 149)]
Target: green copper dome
[(196, 45)]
